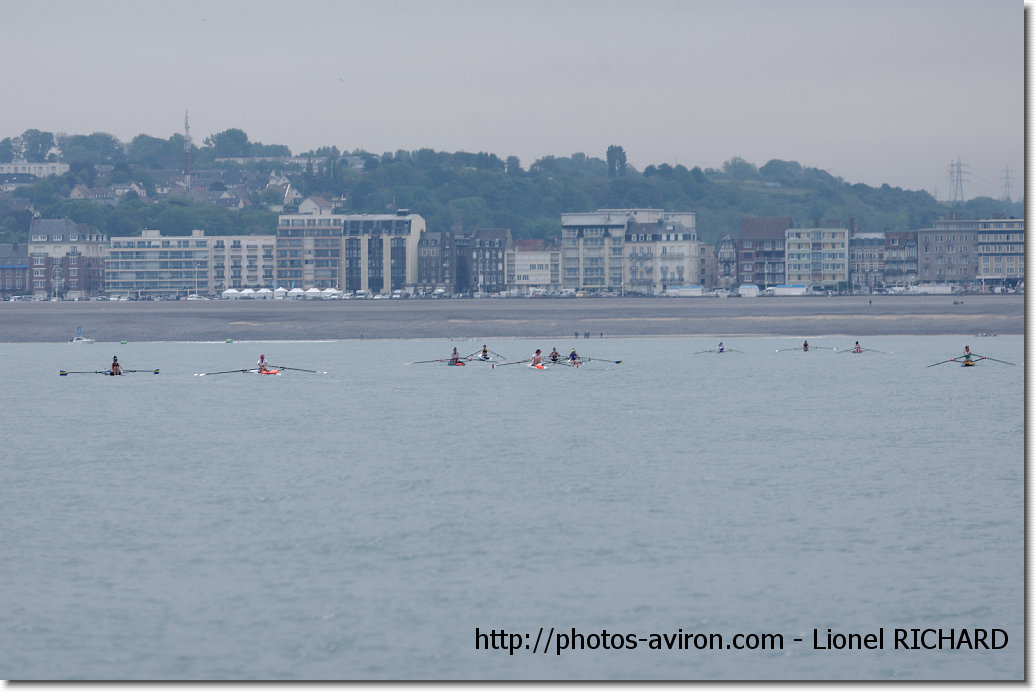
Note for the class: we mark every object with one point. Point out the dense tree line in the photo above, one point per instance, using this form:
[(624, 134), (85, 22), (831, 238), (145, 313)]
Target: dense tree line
[(452, 191)]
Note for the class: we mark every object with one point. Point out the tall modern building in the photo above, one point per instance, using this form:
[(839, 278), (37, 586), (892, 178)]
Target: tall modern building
[(318, 248)]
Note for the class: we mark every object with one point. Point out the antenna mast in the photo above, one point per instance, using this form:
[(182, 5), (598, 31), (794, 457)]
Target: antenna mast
[(186, 150), (1007, 184), (956, 182)]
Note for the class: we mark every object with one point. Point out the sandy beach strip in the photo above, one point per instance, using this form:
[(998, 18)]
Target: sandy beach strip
[(500, 317)]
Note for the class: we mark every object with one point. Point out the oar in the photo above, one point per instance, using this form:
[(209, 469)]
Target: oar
[(63, 373), (416, 362), (285, 367), (154, 371), (603, 360), (995, 360), (700, 352), (514, 362), (951, 360), (221, 372)]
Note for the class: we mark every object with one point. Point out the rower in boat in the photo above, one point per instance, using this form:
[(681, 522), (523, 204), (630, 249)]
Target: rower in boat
[(857, 349), (537, 358), (262, 365), (454, 357), (719, 349), (115, 369), (967, 355), (485, 353), (554, 356), (573, 358), (805, 345)]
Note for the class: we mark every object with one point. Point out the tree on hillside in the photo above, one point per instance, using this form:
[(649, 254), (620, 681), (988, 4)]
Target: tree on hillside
[(739, 169), (616, 158), (229, 144), (96, 149), (34, 145)]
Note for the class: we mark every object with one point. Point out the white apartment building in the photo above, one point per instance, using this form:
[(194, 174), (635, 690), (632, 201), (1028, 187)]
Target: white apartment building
[(164, 266), (1000, 244), (40, 170)]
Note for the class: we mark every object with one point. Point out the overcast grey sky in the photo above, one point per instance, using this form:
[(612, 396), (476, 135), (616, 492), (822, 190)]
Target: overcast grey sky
[(883, 91)]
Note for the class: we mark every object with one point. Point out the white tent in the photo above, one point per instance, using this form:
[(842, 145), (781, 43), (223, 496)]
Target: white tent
[(279, 292), (231, 293), (313, 292), (296, 293), (264, 294), (329, 293), (247, 293)]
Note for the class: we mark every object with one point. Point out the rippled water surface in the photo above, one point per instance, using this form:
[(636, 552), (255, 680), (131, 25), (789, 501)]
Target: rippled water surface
[(361, 524)]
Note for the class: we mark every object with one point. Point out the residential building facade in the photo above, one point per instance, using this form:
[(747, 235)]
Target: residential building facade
[(14, 270), (726, 271), (818, 258), (630, 250), (946, 253), (900, 258), (592, 250), (761, 254), (241, 262), (534, 266), (1000, 244), (67, 259), (485, 262), (662, 255), (866, 261), (157, 266)]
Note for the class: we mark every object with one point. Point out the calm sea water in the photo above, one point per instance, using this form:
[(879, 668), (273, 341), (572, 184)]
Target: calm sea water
[(362, 524)]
